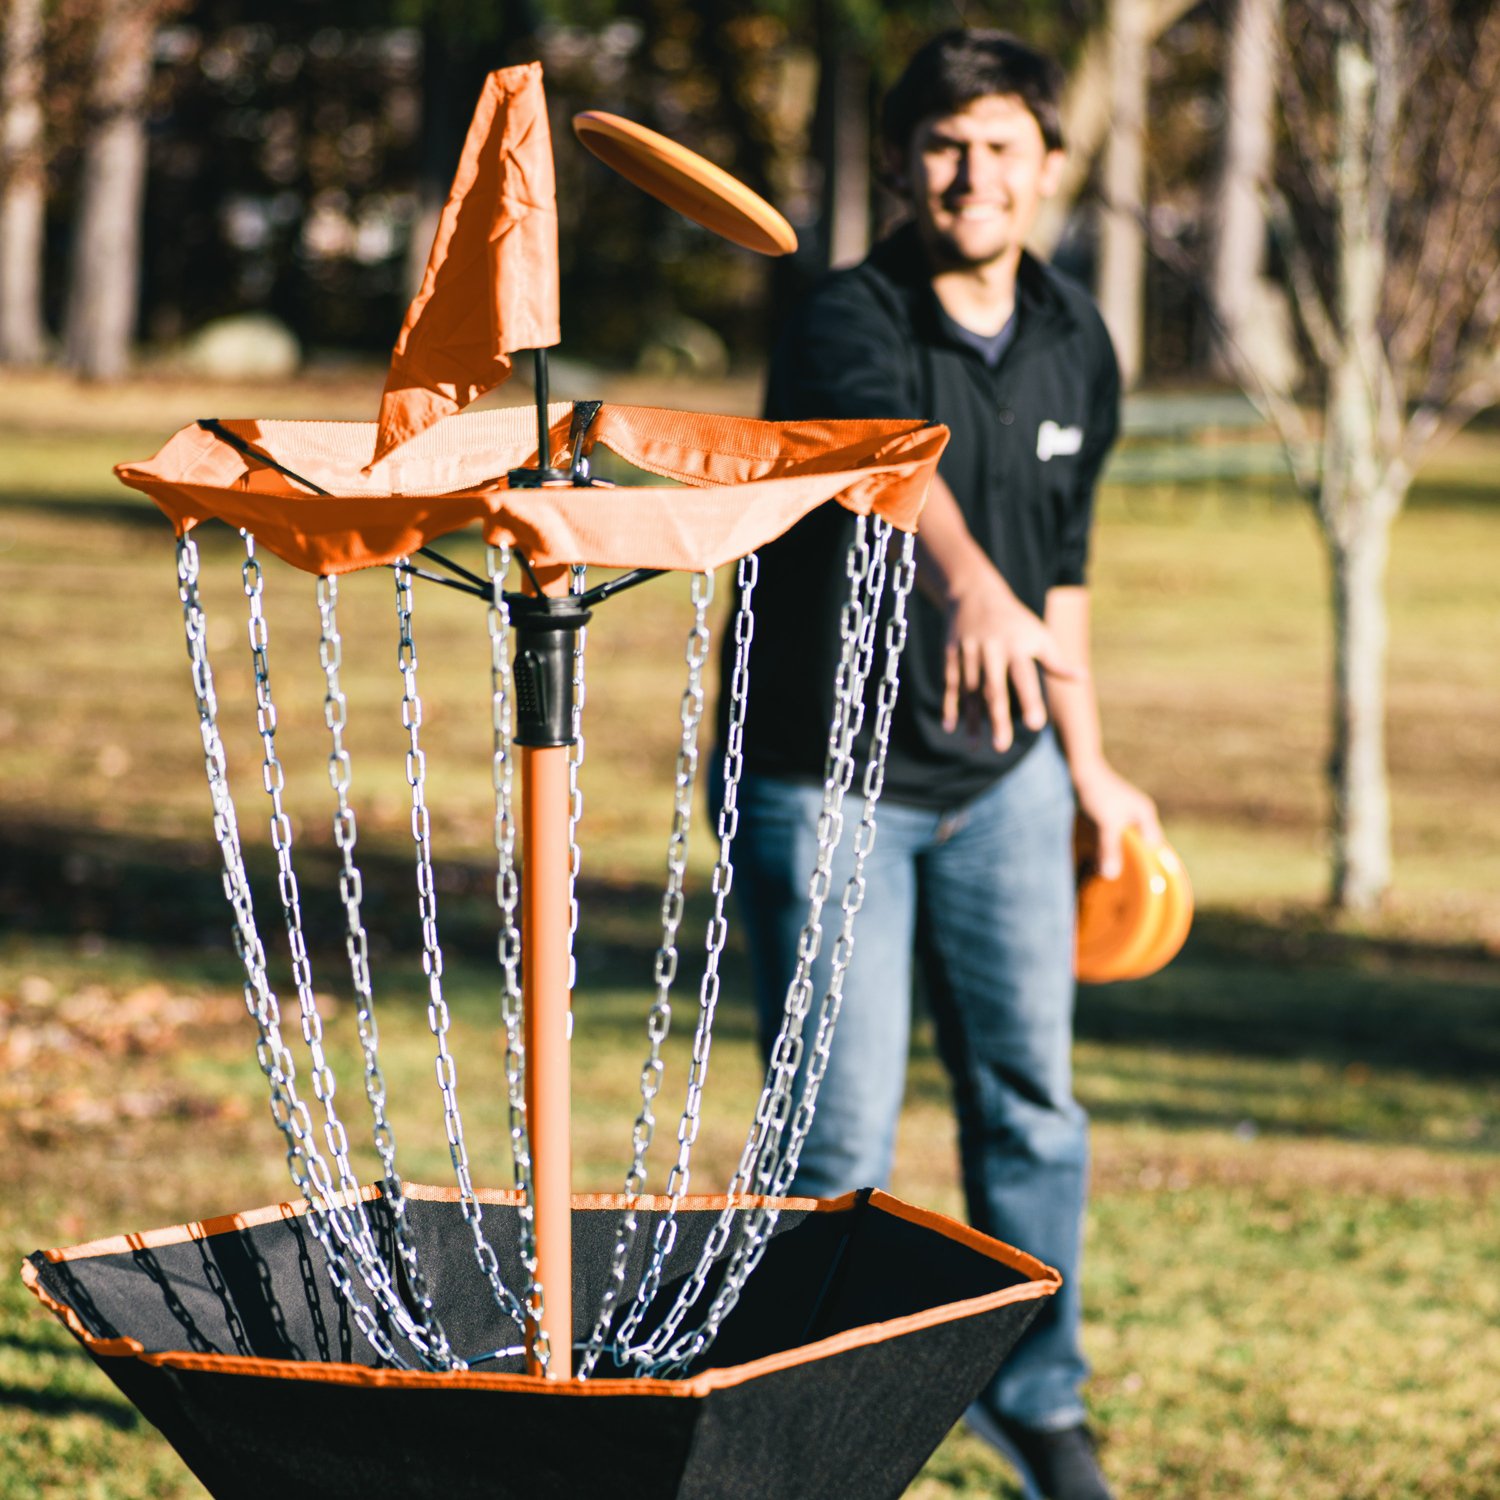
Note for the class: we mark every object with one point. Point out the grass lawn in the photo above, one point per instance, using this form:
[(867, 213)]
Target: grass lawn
[(1293, 1278)]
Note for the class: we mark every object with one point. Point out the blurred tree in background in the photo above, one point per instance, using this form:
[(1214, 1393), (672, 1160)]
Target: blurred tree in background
[(297, 156), (1319, 218), (23, 193)]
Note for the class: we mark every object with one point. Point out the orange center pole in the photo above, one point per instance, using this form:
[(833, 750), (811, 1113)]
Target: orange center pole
[(544, 978)]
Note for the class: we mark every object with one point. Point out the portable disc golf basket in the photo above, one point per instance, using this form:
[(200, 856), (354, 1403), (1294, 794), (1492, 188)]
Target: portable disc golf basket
[(369, 1336), (457, 1342)]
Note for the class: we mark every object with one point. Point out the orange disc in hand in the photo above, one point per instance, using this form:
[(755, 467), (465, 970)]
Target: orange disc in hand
[(683, 180), (1119, 919), (1176, 918)]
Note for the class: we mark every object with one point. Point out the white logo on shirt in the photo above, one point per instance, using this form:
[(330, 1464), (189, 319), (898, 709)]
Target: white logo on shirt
[(1053, 441)]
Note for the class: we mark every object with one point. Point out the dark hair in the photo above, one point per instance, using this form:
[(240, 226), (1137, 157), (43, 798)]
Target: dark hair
[(954, 69)]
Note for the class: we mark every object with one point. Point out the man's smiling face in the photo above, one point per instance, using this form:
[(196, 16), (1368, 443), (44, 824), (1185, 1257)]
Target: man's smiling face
[(976, 179)]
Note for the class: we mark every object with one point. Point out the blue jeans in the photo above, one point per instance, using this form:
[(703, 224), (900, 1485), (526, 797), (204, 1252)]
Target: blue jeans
[(983, 896)]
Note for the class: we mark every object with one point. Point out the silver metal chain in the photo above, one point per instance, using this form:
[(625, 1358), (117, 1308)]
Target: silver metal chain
[(761, 1224), (864, 838), (664, 1236), (772, 1150), (438, 1019), (357, 948), (507, 895), (763, 1150), (659, 1018), (288, 1111), (273, 778), (352, 1224), (579, 583), (774, 1106)]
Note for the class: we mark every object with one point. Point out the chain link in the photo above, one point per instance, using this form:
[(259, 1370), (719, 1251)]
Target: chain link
[(507, 895), (760, 1226), (273, 778), (353, 1224), (864, 840), (438, 1018), (762, 1156), (659, 1019), (773, 1146), (325, 1217), (773, 1108), (664, 1237), (357, 947), (579, 582)]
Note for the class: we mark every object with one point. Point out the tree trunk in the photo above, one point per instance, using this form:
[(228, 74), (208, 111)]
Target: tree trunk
[(22, 184), (105, 271), (843, 128), (1361, 494), (1240, 293), (1122, 247), (1357, 768), (1086, 118)]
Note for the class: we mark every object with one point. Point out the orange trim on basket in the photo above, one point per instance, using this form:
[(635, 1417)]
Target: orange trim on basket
[(966, 1235), (202, 1229), (329, 1372)]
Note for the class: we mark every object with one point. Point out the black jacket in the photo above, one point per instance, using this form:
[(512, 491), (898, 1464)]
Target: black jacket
[(1028, 441)]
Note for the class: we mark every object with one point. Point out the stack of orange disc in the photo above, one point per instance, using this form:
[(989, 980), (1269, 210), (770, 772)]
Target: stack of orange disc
[(1135, 924)]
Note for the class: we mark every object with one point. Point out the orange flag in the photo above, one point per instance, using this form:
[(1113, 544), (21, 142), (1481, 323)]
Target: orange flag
[(491, 281)]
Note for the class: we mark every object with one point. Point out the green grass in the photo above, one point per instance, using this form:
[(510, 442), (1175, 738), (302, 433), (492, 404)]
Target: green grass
[(1293, 1278)]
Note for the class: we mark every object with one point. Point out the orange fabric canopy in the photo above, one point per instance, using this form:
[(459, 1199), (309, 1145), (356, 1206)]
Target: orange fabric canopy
[(491, 281), (750, 481)]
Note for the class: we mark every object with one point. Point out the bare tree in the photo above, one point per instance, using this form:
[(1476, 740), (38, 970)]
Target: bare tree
[(105, 272), (1251, 308), (1087, 113), (1122, 242), (844, 119), (1390, 227), (22, 183)]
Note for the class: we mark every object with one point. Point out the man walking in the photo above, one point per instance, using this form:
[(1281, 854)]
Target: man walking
[(996, 739)]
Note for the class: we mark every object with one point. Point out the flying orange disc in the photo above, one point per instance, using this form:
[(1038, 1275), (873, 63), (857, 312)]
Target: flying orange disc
[(683, 180), (1119, 920)]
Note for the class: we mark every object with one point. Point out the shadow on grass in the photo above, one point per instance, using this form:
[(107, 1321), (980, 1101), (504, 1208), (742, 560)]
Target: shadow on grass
[(41, 1346), (1246, 987), (1242, 986), (123, 512), (59, 1404)]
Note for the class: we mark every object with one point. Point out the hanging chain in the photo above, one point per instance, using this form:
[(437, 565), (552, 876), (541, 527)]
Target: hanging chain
[(357, 947), (762, 1154), (575, 791), (864, 835), (288, 1111), (773, 1108), (273, 778), (760, 1225), (664, 1237), (764, 1167), (507, 895), (353, 1223), (659, 1019), (438, 1019)]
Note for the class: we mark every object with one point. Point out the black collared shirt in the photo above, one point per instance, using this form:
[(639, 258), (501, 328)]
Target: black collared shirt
[(1028, 440)]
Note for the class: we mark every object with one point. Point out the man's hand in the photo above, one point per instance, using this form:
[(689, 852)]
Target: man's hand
[(994, 643), (1112, 805)]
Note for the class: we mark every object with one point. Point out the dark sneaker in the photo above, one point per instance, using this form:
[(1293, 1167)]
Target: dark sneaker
[(1058, 1465)]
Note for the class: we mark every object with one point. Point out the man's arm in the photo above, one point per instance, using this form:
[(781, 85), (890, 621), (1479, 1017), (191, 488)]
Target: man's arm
[(993, 639), (1110, 802)]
